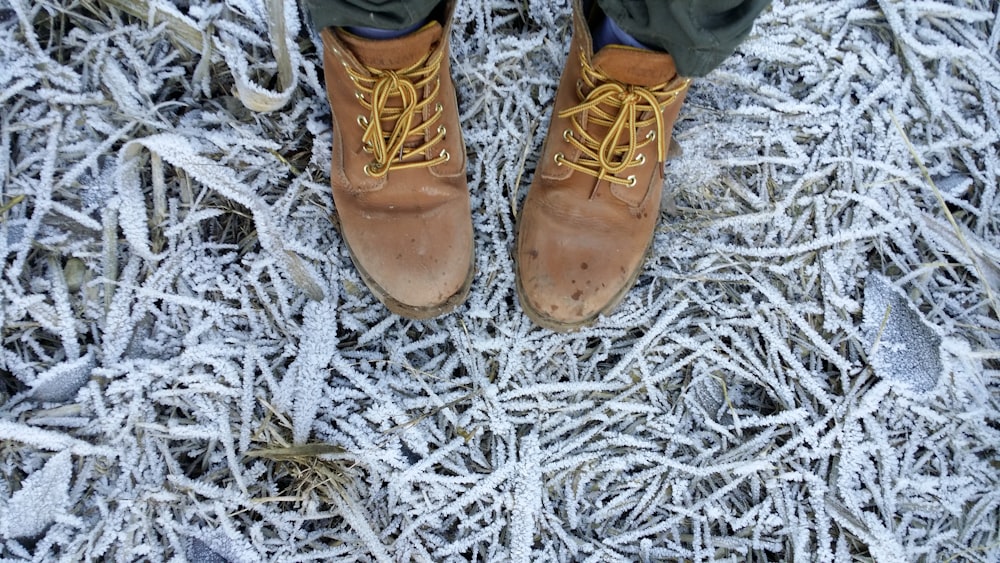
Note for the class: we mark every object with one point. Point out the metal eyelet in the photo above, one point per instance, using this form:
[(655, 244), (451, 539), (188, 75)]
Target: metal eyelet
[(559, 158), (368, 169), (641, 159), (359, 96), (445, 155), (438, 107), (631, 182), (567, 135), (367, 147), (651, 135), (442, 130), (362, 121)]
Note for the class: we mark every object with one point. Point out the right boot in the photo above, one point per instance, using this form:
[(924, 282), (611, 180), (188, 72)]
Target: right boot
[(398, 167)]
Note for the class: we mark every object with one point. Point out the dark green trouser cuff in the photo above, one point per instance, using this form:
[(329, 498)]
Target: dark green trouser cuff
[(700, 34), (381, 14)]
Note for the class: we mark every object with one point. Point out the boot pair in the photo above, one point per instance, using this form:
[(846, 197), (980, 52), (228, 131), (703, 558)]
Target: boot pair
[(399, 183)]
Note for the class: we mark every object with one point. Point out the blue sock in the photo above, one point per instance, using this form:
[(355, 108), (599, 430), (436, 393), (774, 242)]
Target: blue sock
[(608, 33), (376, 33)]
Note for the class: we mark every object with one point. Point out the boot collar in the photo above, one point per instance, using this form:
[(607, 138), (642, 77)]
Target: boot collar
[(638, 67), (628, 65), (393, 54)]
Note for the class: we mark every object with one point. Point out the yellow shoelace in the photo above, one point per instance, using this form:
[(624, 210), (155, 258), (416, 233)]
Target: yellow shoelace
[(394, 99), (623, 109)]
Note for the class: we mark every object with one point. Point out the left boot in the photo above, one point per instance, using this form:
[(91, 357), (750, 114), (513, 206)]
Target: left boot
[(589, 216)]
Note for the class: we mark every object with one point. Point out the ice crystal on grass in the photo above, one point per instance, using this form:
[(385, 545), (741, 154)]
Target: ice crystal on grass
[(42, 498), (192, 368), (904, 348), (61, 382)]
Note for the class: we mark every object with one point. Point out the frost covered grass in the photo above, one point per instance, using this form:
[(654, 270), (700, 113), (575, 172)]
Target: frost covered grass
[(191, 368)]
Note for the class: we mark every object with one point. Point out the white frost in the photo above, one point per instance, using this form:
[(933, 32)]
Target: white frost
[(44, 496)]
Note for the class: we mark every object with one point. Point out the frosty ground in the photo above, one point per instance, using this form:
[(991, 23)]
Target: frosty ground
[(191, 368)]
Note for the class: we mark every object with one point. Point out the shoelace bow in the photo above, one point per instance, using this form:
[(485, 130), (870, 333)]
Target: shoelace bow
[(394, 99), (631, 108)]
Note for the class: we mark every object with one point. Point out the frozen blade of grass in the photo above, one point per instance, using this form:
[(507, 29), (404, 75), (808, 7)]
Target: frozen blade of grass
[(14, 200), (132, 214), (109, 254), (301, 276), (359, 523), (951, 218), (186, 32), (64, 310), (280, 40), (30, 37), (182, 28), (308, 372), (119, 321), (61, 382), (42, 200), (43, 497), (159, 200), (253, 95), (904, 347), (296, 452), (527, 501), (181, 154), (50, 440), (987, 254)]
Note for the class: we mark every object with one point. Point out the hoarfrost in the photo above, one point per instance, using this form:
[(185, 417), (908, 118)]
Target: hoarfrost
[(61, 382), (43, 497), (181, 317), (904, 347)]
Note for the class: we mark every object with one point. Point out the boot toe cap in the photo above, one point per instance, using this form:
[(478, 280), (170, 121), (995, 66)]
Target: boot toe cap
[(566, 282), (419, 268)]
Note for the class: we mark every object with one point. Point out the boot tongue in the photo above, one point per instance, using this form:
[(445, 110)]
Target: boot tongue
[(639, 67), (393, 54)]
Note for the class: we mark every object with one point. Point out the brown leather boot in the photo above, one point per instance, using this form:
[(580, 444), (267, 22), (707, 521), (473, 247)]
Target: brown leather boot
[(398, 167), (589, 216)]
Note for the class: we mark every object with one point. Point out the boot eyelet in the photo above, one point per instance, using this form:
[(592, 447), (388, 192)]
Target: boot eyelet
[(651, 135), (367, 147), (631, 182), (445, 155), (362, 121), (567, 135), (559, 158), (641, 159), (359, 96), (438, 108), (368, 169), (442, 130)]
